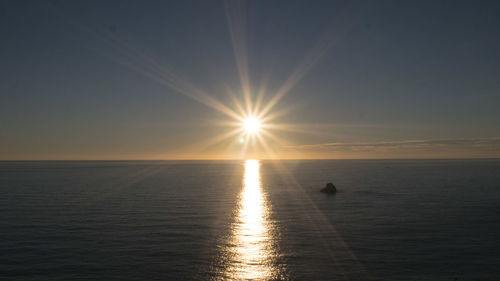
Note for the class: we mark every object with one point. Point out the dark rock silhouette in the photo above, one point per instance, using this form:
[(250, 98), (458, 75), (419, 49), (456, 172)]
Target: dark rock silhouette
[(329, 188)]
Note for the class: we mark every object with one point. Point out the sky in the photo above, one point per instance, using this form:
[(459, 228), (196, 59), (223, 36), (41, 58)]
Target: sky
[(166, 79)]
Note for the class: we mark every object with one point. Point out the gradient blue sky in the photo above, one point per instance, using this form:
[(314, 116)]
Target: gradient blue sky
[(400, 79)]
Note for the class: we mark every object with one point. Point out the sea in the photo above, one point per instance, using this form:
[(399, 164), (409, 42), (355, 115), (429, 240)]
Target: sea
[(250, 220)]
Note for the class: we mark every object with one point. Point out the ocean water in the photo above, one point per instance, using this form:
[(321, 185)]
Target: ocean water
[(250, 220)]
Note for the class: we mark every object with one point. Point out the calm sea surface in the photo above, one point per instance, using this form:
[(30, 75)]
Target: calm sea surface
[(240, 220)]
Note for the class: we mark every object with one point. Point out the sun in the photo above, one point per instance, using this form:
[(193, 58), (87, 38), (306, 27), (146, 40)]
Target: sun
[(251, 125)]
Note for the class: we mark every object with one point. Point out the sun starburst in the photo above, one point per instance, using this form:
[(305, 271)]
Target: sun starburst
[(251, 125)]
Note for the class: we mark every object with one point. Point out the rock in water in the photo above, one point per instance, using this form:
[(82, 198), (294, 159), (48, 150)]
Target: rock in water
[(329, 188)]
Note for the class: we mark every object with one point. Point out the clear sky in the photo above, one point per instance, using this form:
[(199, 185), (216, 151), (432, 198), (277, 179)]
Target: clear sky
[(162, 79)]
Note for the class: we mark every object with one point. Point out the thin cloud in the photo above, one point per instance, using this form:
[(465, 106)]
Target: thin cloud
[(425, 148)]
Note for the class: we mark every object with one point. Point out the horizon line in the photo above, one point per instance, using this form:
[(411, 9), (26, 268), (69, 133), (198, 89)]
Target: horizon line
[(239, 159)]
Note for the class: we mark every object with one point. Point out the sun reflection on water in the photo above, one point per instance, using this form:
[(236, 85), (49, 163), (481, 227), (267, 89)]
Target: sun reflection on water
[(250, 250)]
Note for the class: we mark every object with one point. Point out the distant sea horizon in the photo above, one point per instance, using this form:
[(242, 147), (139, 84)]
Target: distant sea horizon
[(249, 158)]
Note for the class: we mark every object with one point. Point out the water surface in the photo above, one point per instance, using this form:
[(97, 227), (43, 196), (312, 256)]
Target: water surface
[(165, 220)]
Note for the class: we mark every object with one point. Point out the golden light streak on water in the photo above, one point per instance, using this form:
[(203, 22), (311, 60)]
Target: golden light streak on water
[(251, 251)]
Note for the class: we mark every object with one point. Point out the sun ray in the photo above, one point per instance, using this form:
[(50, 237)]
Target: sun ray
[(266, 147), (275, 138), (336, 32), (245, 147), (275, 115), (232, 145), (217, 139), (236, 21), (298, 128), (260, 95), (125, 54), (338, 251), (236, 102)]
